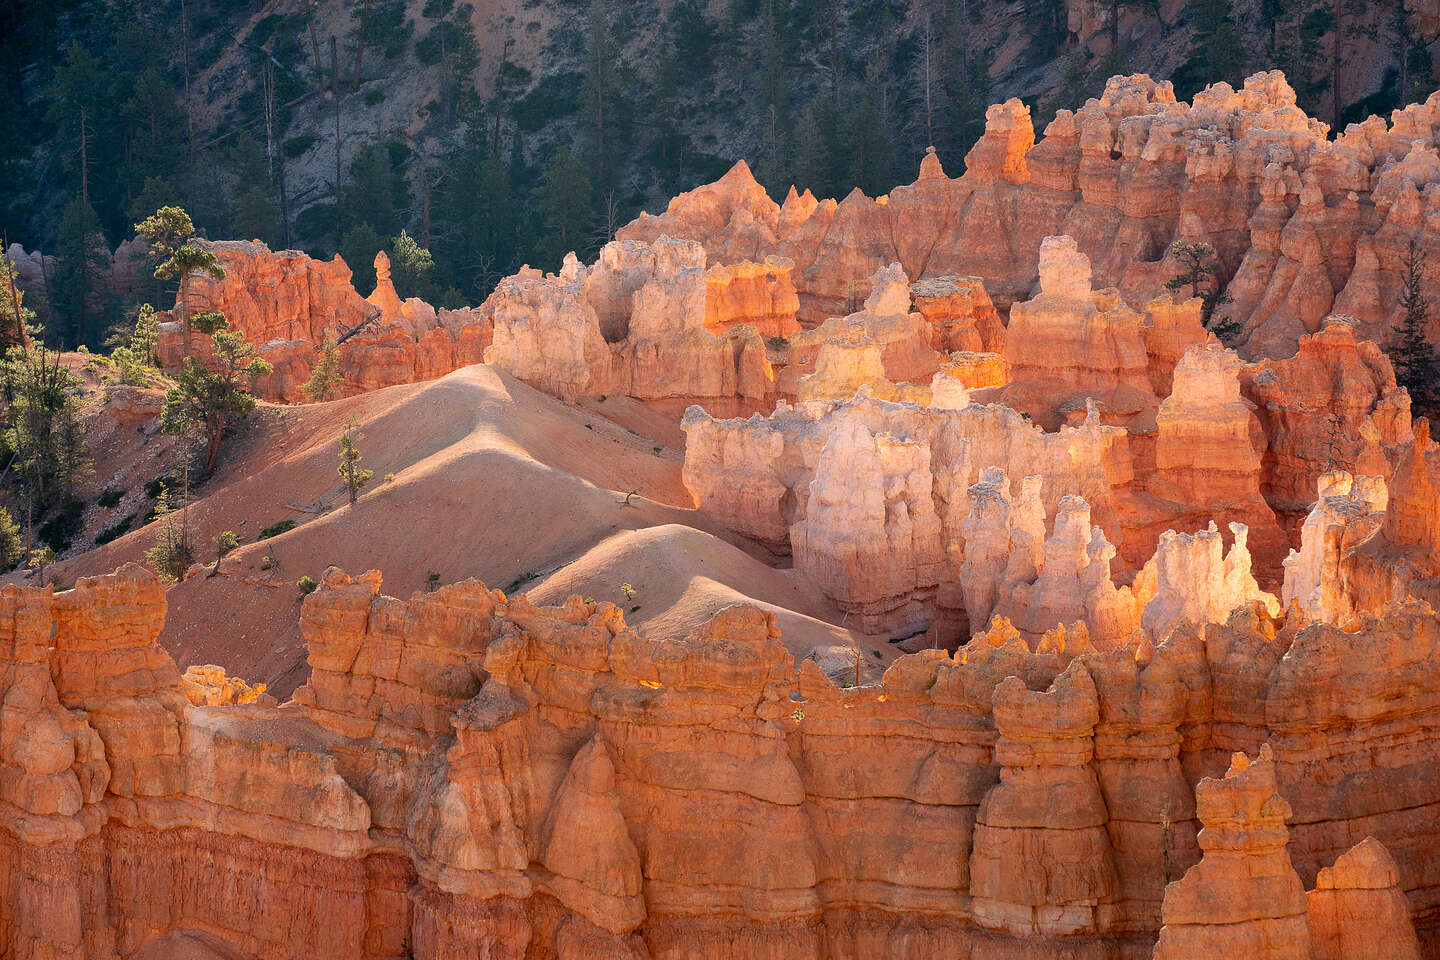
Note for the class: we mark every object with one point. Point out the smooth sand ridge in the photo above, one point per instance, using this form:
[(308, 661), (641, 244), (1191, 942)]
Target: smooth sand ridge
[(492, 480), (679, 577)]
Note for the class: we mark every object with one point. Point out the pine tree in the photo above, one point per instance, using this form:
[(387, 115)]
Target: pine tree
[(78, 107), (171, 554), (256, 216), (349, 469), (15, 317), (225, 541), (324, 382), (811, 164), (358, 249), (377, 192), (146, 334), (43, 425), (1416, 363), (169, 231), (411, 266), (564, 203), (206, 398), (1200, 271), (82, 263), (12, 546)]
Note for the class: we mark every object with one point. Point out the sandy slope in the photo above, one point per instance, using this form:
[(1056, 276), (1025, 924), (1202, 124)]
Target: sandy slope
[(492, 479), (678, 576)]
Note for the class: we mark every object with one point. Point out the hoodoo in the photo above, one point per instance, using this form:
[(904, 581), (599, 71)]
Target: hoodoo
[(1039, 558)]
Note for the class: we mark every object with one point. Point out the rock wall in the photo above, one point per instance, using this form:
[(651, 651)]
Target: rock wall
[(288, 304), (761, 476), (1303, 226), (466, 773)]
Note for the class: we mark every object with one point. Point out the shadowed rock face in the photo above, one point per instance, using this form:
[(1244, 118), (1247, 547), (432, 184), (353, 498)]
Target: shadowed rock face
[(466, 773)]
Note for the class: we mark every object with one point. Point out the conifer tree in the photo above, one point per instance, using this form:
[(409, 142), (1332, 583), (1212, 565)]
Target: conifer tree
[(410, 267), (12, 546), (170, 231), (350, 471), (43, 426), (564, 203), (171, 553), (42, 421), (81, 266), (1200, 271), (324, 382), (207, 397), (1416, 364), (146, 334)]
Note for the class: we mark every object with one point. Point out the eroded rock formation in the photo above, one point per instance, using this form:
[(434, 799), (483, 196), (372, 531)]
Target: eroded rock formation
[(1302, 225), (466, 772)]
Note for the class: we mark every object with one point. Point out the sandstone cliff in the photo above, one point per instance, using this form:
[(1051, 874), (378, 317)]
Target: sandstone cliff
[(469, 773)]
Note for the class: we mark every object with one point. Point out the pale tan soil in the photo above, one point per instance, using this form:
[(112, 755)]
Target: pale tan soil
[(491, 479)]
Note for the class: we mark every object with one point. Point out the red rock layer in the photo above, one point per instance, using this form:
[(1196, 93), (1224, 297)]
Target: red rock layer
[(467, 773), (287, 304), (1303, 226)]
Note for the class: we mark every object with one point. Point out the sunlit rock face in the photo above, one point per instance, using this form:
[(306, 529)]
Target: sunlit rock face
[(567, 784), (1243, 898), (1302, 226), (985, 428), (288, 305)]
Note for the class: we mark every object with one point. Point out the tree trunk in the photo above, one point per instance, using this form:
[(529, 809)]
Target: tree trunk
[(1402, 32), (183, 302), (335, 93), (929, 125), (360, 47), (21, 337), (185, 52), (84, 160), (212, 445), (315, 47)]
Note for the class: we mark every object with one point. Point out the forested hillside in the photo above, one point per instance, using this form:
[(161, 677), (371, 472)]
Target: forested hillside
[(508, 131)]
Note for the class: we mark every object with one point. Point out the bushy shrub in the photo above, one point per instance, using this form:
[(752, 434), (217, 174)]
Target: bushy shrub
[(275, 529), (115, 531)]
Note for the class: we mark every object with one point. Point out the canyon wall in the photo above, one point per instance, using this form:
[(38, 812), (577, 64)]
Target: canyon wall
[(468, 774), (1302, 226)]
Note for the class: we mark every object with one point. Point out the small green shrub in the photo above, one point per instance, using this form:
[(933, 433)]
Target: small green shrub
[(116, 530), (374, 97), (295, 146), (520, 581), (275, 529), (110, 497), (306, 584), (60, 530), (153, 488)]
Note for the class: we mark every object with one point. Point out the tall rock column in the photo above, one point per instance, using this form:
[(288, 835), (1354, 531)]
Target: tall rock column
[(1208, 447), (871, 537), (1042, 863), (1243, 899), (1358, 911)]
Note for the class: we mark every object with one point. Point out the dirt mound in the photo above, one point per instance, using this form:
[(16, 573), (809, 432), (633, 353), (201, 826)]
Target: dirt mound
[(475, 475)]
